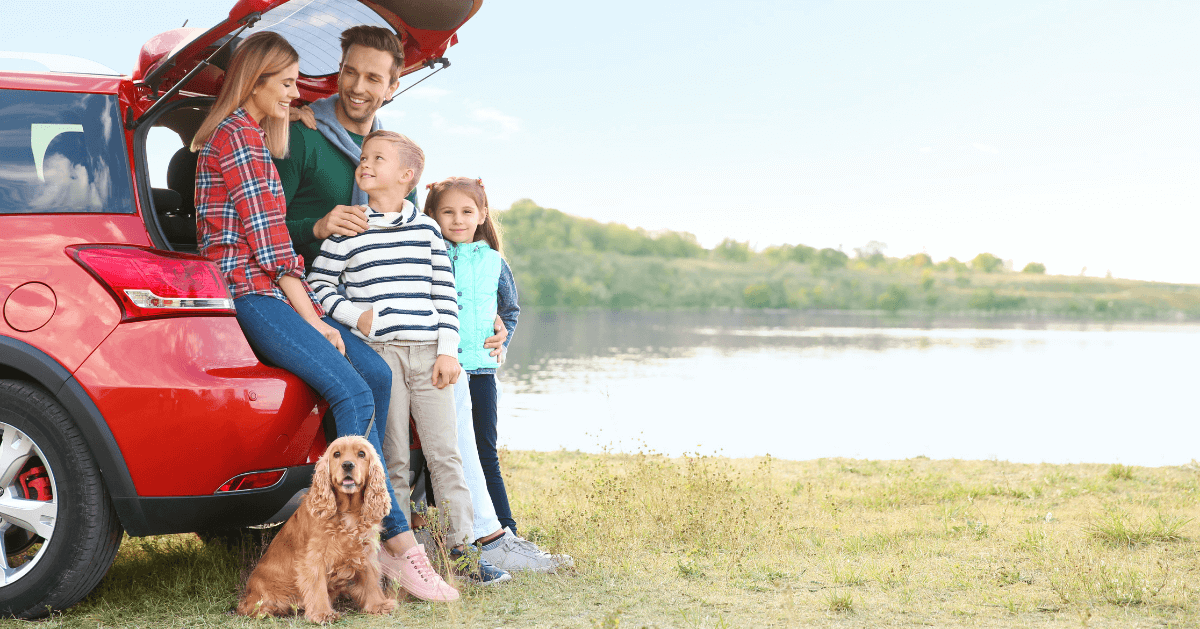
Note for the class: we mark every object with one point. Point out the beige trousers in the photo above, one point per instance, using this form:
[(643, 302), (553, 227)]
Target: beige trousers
[(433, 411)]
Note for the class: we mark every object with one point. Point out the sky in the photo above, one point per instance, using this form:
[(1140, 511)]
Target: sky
[(1061, 132)]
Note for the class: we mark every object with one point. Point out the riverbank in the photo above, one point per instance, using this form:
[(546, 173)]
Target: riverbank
[(564, 261), (704, 541)]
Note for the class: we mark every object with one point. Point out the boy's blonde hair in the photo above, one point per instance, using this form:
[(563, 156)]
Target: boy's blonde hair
[(411, 155)]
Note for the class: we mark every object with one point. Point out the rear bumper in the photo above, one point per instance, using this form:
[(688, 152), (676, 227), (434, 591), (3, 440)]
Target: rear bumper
[(185, 514), (190, 406)]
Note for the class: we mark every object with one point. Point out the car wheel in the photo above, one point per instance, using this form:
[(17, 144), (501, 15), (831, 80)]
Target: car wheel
[(59, 532)]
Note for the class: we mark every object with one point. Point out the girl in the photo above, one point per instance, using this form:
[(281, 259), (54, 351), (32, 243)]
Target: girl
[(485, 289), (240, 225)]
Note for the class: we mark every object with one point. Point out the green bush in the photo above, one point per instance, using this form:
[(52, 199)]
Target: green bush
[(732, 250), (757, 296), (987, 263), (894, 299), (827, 259), (1034, 267)]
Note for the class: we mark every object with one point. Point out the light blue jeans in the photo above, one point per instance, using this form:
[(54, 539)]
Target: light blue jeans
[(485, 522)]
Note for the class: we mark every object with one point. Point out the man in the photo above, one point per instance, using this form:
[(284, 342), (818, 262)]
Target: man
[(318, 174)]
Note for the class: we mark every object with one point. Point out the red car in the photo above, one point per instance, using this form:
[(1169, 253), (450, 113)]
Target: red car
[(129, 398)]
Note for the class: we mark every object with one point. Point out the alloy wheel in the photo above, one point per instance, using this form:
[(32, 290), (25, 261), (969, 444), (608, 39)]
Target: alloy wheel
[(28, 504)]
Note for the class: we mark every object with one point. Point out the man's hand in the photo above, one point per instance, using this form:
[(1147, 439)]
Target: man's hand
[(343, 220), (445, 371), (304, 114), (364, 322), (496, 343)]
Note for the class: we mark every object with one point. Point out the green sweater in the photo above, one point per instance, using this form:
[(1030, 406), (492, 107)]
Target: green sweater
[(316, 176)]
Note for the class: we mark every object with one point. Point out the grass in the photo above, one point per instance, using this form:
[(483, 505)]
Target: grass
[(702, 541)]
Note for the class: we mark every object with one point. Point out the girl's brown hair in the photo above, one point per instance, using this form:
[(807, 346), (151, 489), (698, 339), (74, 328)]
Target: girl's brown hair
[(258, 58), (473, 188)]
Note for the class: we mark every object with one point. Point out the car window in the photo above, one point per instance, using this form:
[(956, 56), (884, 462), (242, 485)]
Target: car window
[(62, 152), (315, 28)]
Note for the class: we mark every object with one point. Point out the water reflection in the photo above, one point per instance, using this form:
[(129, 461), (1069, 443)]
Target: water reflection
[(802, 385)]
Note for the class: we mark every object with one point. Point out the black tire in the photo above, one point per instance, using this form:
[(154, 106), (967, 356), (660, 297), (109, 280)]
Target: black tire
[(84, 532)]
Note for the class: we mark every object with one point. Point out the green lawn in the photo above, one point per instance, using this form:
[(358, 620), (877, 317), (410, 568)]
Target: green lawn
[(712, 542)]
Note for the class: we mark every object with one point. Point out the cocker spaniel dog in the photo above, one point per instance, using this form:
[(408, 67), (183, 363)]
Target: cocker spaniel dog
[(329, 547)]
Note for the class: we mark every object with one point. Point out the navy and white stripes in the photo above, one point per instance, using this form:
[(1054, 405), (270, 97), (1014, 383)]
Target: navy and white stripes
[(399, 269)]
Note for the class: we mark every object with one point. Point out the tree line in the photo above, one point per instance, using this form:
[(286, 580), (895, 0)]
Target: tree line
[(563, 261)]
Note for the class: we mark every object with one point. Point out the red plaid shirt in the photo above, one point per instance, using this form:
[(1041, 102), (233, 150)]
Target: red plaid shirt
[(240, 209)]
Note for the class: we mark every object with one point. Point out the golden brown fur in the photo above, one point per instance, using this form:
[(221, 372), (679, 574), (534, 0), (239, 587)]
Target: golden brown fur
[(329, 547)]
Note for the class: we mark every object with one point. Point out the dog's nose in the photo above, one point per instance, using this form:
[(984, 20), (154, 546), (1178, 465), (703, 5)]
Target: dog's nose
[(348, 465)]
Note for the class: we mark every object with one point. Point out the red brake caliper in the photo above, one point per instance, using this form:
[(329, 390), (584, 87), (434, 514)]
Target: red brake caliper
[(35, 482)]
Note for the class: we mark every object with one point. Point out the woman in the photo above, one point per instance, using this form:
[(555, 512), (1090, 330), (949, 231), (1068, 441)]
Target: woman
[(240, 225)]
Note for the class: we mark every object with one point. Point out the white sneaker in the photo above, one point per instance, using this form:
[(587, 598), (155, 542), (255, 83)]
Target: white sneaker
[(512, 553)]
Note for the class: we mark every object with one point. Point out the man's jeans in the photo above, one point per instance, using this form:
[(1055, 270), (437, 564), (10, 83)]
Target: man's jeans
[(356, 386)]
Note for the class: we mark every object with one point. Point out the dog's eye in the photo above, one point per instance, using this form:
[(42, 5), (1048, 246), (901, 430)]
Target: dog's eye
[(362, 454), (337, 455)]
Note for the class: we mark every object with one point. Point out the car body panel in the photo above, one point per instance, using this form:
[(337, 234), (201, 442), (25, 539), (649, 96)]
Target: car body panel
[(207, 411), (84, 313)]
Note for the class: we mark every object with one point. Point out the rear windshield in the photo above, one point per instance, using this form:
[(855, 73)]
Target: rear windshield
[(62, 152), (315, 29)]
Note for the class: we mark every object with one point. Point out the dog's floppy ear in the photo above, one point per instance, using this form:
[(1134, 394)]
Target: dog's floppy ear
[(320, 496), (376, 503)]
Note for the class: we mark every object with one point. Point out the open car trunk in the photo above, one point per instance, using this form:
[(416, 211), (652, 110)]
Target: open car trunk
[(313, 27)]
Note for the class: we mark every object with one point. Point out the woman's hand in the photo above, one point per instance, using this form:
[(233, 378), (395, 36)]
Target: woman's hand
[(330, 334), (298, 297)]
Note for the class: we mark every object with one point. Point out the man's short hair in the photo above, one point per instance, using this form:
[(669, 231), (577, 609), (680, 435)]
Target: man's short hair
[(411, 155), (378, 38)]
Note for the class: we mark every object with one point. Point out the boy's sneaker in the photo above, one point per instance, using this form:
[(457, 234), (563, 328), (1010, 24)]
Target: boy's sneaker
[(487, 574), (511, 552)]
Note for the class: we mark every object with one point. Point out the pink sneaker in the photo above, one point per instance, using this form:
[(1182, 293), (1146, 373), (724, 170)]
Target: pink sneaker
[(414, 574)]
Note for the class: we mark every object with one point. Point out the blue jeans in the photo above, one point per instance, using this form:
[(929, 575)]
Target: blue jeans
[(483, 411), (357, 386)]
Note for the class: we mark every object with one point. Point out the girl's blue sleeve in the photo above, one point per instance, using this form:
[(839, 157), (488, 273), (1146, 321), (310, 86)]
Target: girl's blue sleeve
[(506, 301)]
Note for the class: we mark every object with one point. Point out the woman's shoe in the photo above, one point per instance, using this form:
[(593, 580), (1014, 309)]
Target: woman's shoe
[(416, 576)]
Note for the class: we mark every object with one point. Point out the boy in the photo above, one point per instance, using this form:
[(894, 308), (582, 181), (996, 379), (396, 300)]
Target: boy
[(400, 298)]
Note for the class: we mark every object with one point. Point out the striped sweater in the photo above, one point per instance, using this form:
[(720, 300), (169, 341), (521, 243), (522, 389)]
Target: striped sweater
[(399, 269)]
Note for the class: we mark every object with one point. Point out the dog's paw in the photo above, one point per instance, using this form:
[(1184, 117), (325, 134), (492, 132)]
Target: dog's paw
[(384, 607), (322, 618)]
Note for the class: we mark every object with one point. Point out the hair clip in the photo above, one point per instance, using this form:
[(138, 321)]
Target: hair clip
[(429, 186), (479, 181)]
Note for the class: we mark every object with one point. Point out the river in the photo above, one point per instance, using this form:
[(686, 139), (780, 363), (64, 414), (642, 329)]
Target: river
[(803, 386)]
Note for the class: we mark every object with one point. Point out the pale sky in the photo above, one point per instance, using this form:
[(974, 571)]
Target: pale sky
[(1066, 133)]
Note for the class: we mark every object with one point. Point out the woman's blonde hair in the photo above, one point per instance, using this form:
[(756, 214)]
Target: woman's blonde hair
[(258, 58), (489, 230)]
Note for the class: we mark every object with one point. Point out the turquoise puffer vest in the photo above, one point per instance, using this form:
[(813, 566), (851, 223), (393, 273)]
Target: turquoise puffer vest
[(477, 278)]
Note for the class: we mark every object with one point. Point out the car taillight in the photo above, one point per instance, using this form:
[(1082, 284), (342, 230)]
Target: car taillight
[(251, 480), (149, 283)]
